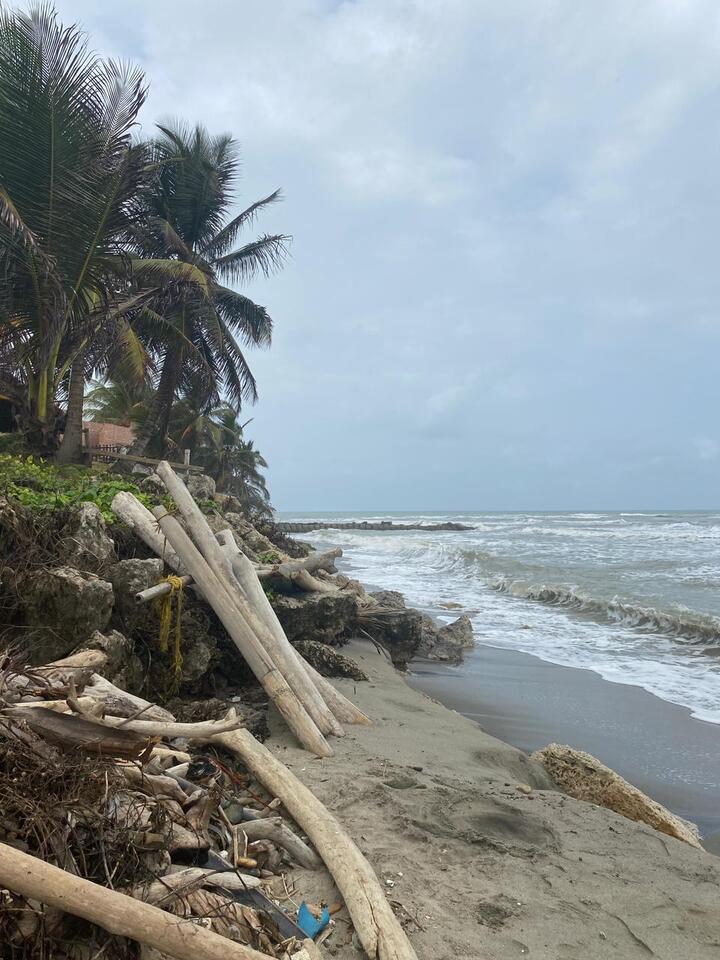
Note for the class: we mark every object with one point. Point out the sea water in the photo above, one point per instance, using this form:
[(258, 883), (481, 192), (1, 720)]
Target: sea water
[(632, 596)]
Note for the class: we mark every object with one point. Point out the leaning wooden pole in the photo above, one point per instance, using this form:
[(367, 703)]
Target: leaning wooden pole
[(276, 643), (257, 658), (377, 926), (115, 912), (341, 708)]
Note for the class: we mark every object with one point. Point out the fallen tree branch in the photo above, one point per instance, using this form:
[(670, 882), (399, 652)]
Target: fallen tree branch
[(74, 732), (115, 912), (377, 926)]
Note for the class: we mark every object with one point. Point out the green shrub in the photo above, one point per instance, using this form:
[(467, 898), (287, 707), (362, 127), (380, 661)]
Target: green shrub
[(40, 485)]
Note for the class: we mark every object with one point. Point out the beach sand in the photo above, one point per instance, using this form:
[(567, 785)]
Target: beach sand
[(481, 869), (528, 702)]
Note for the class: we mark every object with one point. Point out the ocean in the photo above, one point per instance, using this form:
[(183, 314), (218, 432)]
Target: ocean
[(633, 596)]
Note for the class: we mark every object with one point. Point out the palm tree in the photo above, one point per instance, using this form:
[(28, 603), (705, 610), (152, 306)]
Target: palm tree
[(68, 180), (186, 223), (123, 400)]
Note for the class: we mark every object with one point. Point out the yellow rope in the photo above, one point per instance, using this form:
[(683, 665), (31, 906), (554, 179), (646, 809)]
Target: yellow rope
[(176, 589)]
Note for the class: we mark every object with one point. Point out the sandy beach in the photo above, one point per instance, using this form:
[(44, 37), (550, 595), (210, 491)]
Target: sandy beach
[(482, 857), (529, 703)]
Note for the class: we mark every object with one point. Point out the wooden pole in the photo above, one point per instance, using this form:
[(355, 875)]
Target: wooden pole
[(377, 926), (257, 658), (115, 912), (254, 598), (276, 644)]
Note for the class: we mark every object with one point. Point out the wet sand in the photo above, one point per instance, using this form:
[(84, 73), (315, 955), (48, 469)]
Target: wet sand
[(529, 703), (481, 858)]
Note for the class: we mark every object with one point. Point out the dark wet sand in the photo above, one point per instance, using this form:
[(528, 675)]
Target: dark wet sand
[(529, 703)]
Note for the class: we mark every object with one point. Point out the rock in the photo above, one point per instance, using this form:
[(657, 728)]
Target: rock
[(200, 486), (86, 544), (584, 777), (253, 544), (153, 485), (447, 642), (392, 599), (64, 607), (328, 661), (330, 617), (395, 626), (123, 667), (128, 578)]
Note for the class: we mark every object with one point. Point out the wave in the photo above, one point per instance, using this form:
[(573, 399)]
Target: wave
[(681, 624)]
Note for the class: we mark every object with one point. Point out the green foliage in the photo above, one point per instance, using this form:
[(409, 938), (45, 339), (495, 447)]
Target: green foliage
[(41, 486), (269, 557)]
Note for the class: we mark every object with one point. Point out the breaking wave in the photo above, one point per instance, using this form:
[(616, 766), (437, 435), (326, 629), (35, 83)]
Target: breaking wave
[(682, 624)]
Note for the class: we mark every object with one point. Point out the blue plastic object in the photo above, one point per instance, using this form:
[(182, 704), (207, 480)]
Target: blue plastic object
[(309, 923)]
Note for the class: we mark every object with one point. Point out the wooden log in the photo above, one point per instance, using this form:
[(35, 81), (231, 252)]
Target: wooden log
[(280, 652), (145, 525), (175, 884), (273, 828), (160, 589), (249, 587), (166, 729), (313, 563), (258, 659), (115, 912), (342, 709), (320, 561), (72, 732), (377, 926), (120, 703)]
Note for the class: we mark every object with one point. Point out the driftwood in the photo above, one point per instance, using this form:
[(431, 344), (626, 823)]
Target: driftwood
[(284, 571), (122, 704), (115, 912), (154, 784), (377, 926), (273, 828), (72, 732), (167, 729), (139, 519), (247, 584), (257, 658), (277, 646)]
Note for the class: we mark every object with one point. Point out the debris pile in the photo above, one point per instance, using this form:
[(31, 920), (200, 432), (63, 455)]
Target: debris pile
[(121, 825)]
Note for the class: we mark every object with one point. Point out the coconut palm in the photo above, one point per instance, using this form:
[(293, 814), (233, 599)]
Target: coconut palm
[(186, 222), (69, 177)]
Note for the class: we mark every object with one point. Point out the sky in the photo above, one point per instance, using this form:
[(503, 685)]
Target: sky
[(504, 290)]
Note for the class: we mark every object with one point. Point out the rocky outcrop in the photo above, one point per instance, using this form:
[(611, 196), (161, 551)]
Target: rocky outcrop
[(328, 661), (86, 543), (447, 642), (328, 617), (128, 578), (63, 608), (153, 485), (123, 666), (395, 626), (200, 486), (253, 544), (584, 777)]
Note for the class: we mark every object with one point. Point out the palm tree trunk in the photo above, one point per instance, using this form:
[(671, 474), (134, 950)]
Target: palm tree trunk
[(153, 431), (71, 447)]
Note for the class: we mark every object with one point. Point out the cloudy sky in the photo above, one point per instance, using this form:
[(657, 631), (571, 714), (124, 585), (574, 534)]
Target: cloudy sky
[(504, 290)]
